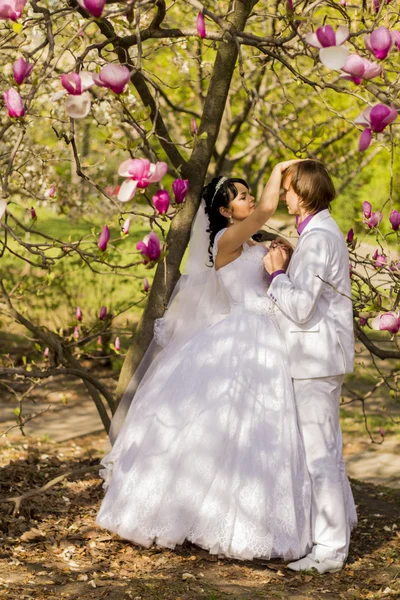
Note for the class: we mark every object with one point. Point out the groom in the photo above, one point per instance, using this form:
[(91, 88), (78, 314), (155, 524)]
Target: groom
[(315, 314)]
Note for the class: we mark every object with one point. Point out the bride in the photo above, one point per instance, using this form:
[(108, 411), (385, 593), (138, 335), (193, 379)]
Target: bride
[(210, 449)]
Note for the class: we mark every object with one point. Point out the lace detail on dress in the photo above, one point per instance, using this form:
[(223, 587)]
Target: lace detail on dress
[(106, 473), (264, 307)]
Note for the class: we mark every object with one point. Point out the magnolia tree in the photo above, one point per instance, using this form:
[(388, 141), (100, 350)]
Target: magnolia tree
[(114, 113)]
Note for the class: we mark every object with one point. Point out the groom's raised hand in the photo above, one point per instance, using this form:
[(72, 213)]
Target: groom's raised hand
[(277, 259)]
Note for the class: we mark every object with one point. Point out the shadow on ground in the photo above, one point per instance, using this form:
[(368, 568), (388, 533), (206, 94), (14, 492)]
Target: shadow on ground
[(53, 549)]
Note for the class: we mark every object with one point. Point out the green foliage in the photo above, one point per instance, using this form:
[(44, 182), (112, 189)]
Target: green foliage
[(54, 296)]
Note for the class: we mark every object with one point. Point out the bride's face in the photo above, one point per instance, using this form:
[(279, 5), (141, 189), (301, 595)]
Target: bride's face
[(243, 203)]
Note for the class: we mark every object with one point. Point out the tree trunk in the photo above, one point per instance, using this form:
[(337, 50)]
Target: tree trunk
[(195, 170)]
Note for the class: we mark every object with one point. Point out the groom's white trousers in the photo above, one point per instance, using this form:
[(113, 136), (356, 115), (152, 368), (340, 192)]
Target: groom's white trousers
[(317, 403)]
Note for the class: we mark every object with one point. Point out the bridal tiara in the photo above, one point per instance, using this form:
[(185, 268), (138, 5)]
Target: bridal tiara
[(218, 186)]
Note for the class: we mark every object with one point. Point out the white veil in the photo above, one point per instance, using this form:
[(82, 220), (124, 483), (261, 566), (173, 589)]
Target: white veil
[(197, 302)]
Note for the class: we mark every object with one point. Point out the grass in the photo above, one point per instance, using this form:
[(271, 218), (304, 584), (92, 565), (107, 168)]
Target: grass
[(53, 296), (50, 299), (353, 423)]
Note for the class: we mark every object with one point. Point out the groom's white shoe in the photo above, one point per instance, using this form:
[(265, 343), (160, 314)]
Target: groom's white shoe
[(327, 565)]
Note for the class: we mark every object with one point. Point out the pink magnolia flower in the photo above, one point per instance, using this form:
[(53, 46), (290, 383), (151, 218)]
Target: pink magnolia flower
[(376, 4), (379, 42), (332, 53), (375, 118), (365, 140), (125, 226), (72, 83), (78, 102), (117, 344), (180, 188), (389, 321), (359, 68), (103, 312), (380, 259), (112, 190), (21, 70), (350, 236), (78, 313), (141, 173), (395, 219), (396, 38), (77, 83), (78, 107), (51, 191), (146, 285), (113, 77), (367, 209), (161, 201), (94, 7), (379, 116), (104, 238), (14, 103), (201, 26), (11, 9), (33, 213), (193, 127), (373, 220), (150, 247)]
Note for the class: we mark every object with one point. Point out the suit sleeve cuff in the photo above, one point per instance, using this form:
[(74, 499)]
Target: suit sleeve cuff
[(276, 273)]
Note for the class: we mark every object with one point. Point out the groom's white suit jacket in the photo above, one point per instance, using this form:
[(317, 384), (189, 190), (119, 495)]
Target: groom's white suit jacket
[(316, 316)]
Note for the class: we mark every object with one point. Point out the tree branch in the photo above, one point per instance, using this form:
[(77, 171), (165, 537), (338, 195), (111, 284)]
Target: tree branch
[(17, 500)]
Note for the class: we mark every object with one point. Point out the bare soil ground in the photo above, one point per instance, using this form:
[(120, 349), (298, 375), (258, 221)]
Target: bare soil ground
[(52, 549)]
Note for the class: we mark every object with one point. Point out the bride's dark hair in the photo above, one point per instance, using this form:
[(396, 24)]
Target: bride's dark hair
[(214, 201)]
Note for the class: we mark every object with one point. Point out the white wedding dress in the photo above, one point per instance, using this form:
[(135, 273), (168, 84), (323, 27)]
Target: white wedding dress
[(210, 449)]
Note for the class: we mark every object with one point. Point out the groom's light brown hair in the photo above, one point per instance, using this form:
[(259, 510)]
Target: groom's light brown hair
[(312, 183)]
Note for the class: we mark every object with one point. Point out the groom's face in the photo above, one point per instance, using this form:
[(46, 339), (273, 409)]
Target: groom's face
[(290, 198)]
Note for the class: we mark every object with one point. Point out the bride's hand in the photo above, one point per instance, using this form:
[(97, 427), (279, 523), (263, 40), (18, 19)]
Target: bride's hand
[(287, 163), (281, 242), (277, 259)]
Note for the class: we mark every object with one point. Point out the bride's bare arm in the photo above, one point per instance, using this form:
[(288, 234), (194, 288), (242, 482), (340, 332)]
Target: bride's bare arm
[(235, 236)]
